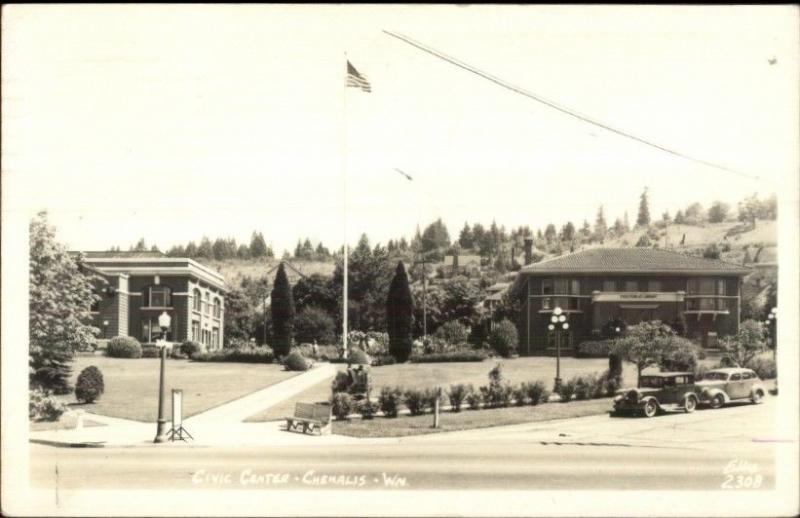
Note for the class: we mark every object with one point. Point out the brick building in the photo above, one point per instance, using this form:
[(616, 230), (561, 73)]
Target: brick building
[(140, 286), (635, 284)]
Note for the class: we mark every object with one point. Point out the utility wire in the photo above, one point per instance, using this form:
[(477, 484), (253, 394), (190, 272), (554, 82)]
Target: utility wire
[(556, 106)]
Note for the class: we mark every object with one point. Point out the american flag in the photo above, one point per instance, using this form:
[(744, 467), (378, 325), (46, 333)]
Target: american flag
[(357, 80)]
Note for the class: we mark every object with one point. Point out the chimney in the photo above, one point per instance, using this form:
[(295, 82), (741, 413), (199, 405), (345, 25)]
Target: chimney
[(528, 250)]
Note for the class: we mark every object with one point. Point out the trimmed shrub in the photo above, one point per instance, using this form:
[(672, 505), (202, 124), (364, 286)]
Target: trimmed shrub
[(358, 357), (124, 347), (594, 349), (452, 333), (341, 405), (503, 338), (385, 359), (457, 394), (400, 315), (389, 401), (764, 367), (536, 392), (430, 396), (42, 406), (295, 362), (241, 355), (566, 391), (151, 351), (189, 348), (340, 383), (455, 356), (89, 386), (608, 384), (585, 386), (415, 400), (473, 399), (367, 409), (520, 395)]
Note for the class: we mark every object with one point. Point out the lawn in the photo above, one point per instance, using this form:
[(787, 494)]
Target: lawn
[(424, 375), (131, 386), (469, 419)]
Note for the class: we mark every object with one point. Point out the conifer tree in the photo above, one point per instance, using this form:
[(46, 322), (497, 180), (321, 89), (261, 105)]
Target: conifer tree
[(282, 310), (400, 315), (643, 219)]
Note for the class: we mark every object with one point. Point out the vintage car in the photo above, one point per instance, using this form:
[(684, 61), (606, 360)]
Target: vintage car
[(720, 386), (658, 391)]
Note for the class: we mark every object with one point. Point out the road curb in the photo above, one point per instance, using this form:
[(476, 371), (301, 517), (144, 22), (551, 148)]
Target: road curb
[(64, 444)]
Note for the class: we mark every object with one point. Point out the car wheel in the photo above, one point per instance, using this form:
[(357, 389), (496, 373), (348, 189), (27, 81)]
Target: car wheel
[(650, 408), (758, 397), (690, 404), (717, 401)]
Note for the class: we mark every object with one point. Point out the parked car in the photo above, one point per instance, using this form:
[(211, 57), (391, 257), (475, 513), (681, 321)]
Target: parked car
[(663, 391), (721, 386)]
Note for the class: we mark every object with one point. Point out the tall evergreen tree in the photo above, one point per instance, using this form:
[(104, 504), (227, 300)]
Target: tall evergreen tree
[(400, 315), (61, 293), (258, 247), (600, 225), (205, 250), (643, 219), (282, 310), (465, 239)]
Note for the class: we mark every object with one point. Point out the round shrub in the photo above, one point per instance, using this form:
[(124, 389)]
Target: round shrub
[(42, 406), (389, 401), (452, 333), (189, 348), (358, 357), (124, 347), (296, 362), (503, 338), (341, 405), (89, 386)]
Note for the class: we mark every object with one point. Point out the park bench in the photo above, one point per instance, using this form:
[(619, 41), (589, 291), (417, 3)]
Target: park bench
[(311, 416)]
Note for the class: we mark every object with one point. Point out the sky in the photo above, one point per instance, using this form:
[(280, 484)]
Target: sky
[(177, 122)]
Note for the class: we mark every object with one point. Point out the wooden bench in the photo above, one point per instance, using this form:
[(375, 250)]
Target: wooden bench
[(311, 416)]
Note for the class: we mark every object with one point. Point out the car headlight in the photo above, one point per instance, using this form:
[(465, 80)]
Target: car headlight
[(618, 398)]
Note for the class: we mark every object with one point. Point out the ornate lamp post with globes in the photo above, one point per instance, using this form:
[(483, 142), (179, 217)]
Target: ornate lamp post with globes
[(164, 321), (558, 323)]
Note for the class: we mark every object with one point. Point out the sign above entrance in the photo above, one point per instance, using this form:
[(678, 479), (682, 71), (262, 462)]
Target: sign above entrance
[(637, 296)]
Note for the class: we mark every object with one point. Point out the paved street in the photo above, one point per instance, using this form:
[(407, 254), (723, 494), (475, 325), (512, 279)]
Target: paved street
[(669, 452)]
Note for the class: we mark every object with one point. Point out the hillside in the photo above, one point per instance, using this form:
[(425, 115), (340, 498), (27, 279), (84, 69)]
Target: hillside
[(235, 269)]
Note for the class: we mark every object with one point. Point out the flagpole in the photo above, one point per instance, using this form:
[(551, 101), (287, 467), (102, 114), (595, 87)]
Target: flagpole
[(344, 185)]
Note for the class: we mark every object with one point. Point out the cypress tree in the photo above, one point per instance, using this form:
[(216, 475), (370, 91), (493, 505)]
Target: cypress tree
[(643, 219), (400, 315), (282, 310)]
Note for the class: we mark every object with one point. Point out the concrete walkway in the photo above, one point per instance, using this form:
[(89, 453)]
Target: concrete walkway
[(220, 426)]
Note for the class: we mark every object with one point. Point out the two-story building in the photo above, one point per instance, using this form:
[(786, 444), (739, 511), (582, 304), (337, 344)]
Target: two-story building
[(140, 286), (635, 284)]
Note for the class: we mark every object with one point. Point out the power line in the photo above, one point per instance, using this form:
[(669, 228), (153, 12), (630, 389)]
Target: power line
[(556, 106)]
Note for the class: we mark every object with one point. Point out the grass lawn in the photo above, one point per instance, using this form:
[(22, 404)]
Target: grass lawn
[(424, 375), (131, 386), (469, 419), (67, 422)]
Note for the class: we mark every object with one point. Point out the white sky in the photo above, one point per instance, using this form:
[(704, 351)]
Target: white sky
[(176, 122)]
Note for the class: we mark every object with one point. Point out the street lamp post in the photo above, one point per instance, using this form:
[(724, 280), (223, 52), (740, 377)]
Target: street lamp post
[(558, 322), (164, 322)]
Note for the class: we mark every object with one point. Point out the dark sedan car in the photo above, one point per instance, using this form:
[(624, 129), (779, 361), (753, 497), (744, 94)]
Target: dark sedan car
[(661, 391)]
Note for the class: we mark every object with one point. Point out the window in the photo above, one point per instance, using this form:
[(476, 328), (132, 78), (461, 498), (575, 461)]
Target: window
[(609, 285), (217, 307), (653, 286), (560, 286), (747, 375), (207, 304), (736, 377), (195, 330), (575, 287), (151, 330), (546, 303), (701, 286), (547, 286), (720, 287), (158, 297), (196, 300), (215, 337), (631, 286)]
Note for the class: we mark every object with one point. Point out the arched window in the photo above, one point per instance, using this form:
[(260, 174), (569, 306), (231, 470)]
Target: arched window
[(196, 299), (157, 296), (217, 307), (207, 302)]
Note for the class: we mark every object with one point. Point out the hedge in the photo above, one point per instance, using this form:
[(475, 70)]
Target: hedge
[(124, 347), (241, 355), (456, 356), (594, 349)]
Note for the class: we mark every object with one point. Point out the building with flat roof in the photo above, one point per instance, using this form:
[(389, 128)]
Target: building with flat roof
[(597, 285), (140, 286)]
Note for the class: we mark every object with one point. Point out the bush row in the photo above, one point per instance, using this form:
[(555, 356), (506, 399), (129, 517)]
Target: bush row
[(239, 354), (589, 386), (455, 356)]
